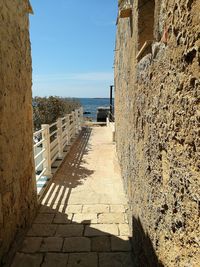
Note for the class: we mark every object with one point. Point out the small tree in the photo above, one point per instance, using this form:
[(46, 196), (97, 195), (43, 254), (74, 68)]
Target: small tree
[(47, 110)]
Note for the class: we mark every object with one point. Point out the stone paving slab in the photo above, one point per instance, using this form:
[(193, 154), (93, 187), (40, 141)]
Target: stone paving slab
[(42, 230), (27, 260), (44, 218), (101, 243), (101, 230), (31, 244), (118, 208), (69, 230), (77, 244), (51, 244), (73, 209), (63, 218), (55, 260), (120, 244), (124, 229), (98, 208), (115, 259), (111, 218), (46, 209), (83, 260), (85, 218)]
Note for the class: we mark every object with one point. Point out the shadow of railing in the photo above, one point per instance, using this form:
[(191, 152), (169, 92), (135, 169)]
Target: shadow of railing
[(70, 174), (59, 237)]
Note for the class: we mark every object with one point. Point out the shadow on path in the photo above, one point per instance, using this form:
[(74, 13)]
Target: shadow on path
[(143, 250), (82, 235), (57, 240), (71, 173)]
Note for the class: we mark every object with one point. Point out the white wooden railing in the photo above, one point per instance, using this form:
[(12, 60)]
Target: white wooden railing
[(51, 140)]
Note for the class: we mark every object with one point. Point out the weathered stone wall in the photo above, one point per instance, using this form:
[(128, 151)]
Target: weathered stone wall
[(17, 185), (157, 113)]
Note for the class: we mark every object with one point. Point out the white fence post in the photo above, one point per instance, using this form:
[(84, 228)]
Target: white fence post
[(60, 140), (107, 122), (77, 120), (81, 118), (73, 124), (47, 152), (68, 128)]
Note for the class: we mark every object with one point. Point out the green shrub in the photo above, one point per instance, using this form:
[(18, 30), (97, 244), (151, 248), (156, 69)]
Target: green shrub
[(47, 110)]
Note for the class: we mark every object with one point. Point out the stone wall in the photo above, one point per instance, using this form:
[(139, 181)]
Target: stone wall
[(157, 100), (17, 184)]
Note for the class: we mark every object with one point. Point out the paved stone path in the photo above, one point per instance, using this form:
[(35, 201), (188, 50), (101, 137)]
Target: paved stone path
[(82, 220)]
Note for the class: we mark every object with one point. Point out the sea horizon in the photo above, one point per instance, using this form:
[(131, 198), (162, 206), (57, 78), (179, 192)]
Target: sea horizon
[(90, 105)]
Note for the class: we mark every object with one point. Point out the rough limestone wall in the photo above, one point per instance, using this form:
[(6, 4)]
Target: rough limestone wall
[(158, 134), (124, 65), (17, 185)]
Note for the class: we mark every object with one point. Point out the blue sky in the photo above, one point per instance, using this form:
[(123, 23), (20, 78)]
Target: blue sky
[(72, 47)]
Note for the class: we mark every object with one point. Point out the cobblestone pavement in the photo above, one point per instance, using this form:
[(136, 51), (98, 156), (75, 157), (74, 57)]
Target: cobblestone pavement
[(82, 220)]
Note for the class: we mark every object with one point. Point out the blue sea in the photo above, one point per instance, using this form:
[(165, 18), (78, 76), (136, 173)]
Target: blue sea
[(91, 105)]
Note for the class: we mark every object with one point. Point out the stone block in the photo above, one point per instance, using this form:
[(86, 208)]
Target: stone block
[(27, 260), (85, 218), (77, 244), (44, 218), (73, 209), (101, 243), (124, 229), (31, 244), (111, 218), (126, 218), (101, 230), (83, 260), (118, 208), (115, 259), (69, 230), (55, 259), (61, 218), (98, 208), (121, 243), (46, 209), (42, 230), (51, 244)]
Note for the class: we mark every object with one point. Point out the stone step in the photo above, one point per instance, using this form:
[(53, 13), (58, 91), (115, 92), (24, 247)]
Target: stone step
[(86, 259), (76, 244)]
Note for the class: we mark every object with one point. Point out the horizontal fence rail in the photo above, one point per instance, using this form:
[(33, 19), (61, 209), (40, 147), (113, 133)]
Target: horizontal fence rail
[(51, 140)]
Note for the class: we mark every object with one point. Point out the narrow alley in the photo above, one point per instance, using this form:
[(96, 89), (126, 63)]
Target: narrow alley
[(82, 220)]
